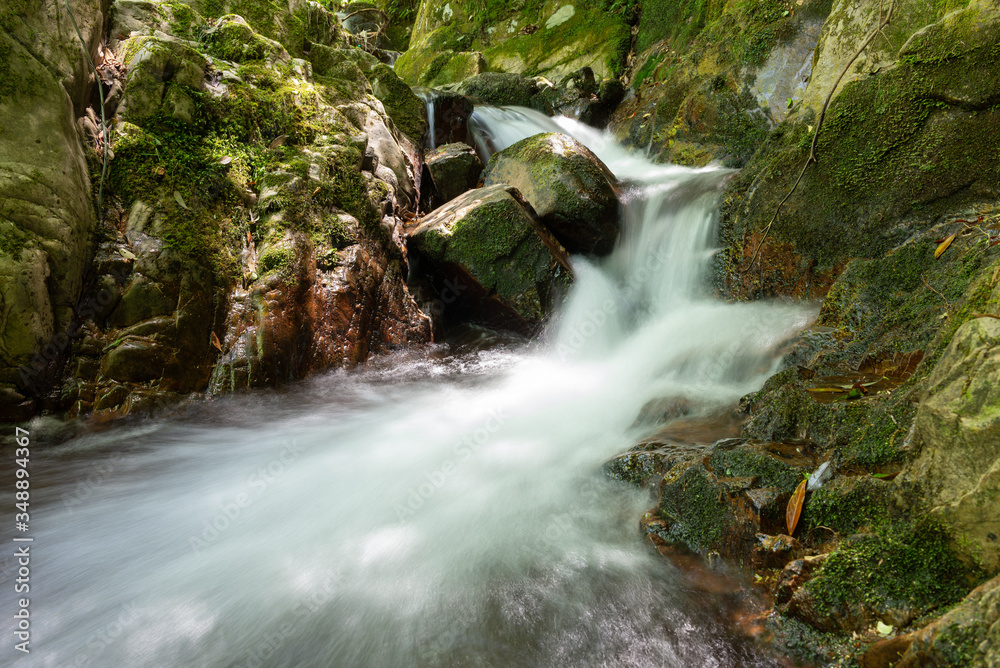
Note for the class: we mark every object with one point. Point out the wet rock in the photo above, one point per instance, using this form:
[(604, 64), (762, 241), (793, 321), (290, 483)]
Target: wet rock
[(645, 464), (660, 411), (793, 576), (404, 108), (775, 551), (135, 359), (573, 192), (454, 169), (885, 653), (497, 262), (449, 117), (958, 431)]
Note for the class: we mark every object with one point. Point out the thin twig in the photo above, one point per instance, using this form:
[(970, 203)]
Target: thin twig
[(104, 120), (947, 304), (883, 22)]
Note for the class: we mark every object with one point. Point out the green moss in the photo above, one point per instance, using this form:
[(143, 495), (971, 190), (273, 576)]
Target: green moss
[(959, 645), (699, 517), (276, 259), (848, 504), (746, 461), (234, 40), (911, 567)]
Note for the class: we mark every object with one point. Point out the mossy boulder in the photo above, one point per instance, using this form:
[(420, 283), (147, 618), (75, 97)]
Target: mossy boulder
[(406, 110), (958, 431), (232, 38), (501, 266), (571, 190), (432, 67)]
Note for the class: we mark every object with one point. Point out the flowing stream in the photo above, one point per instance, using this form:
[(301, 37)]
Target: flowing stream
[(441, 507)]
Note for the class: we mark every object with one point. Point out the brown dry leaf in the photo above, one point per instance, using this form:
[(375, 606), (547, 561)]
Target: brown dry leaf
[(278, 141), (944, 246), (316, 192), (216, 342), (794, 510)]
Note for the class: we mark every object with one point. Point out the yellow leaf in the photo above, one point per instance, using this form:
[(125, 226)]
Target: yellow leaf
[(179, 199), (944, 246)]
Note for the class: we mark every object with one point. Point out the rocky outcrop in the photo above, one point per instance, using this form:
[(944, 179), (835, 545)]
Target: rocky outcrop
[(491, 260), (958, 430), (571, 190), (455, 40), (46, 213), (253, 202)]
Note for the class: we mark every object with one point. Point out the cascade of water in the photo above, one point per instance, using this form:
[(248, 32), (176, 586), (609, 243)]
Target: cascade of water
[(428, 96), (421, 511)]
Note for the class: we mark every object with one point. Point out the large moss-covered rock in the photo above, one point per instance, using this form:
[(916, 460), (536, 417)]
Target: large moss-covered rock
[(500, 88), (929, 149), (500, 265), (46, 212), (958, 429), (548, 37), (569, 187)]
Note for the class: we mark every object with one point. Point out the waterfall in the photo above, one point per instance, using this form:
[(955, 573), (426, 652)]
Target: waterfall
[(428, 96), (435, 508)]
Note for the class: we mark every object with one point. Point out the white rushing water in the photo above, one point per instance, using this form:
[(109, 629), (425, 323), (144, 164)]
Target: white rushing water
[(432, 509)]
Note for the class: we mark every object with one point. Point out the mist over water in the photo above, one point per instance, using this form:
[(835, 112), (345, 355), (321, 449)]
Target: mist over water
[(435, 508)]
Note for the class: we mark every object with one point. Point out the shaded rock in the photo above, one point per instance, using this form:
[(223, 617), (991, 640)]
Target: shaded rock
[(454, 169), (143, 299), (451, 113), (503, 266), (793, 576), (500, 89), (135, 359), (661, 411), (885, 653), (572, 191), (958, 429), (645, 464)]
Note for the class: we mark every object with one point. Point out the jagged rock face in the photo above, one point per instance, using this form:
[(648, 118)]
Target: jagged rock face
[(253, 203), (491, 260), (46, 213), (958, 429), (457, 39), (571, 190)]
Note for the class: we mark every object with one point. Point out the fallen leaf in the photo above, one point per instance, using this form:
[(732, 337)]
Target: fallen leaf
[(883, 629), (278, 141), (215, 341), (180, 200), (316, 192), (159, 171), (944, 246), (826, 389), (225, 160), (127, 254), (794, 510)]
